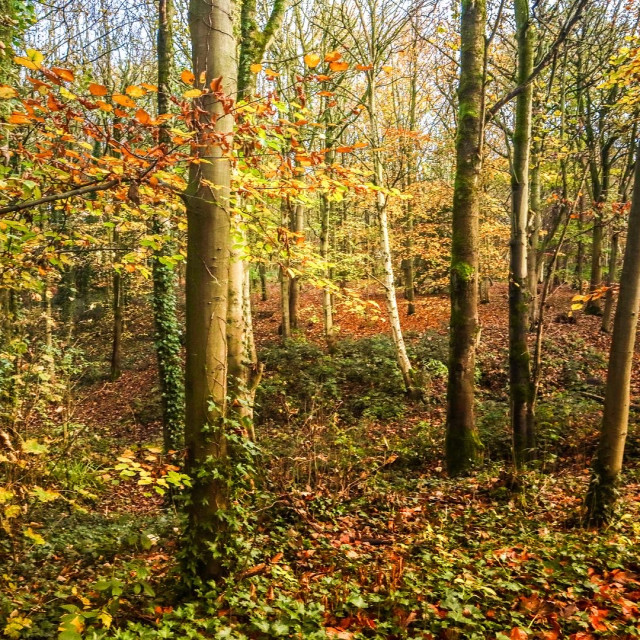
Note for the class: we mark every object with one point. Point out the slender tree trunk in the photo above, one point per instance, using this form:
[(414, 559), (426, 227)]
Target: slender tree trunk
[(327, 309), (611, 279), (118, 320), (602, 492), (262, 271), (387, 260), (535, 227), (519, 356), (463, 446), (207, 288), (408, 263), (167, 332), (580, 251), (285, 326), (297, 226)]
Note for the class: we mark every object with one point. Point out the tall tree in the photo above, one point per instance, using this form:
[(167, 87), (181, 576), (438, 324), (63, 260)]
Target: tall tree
[(602, 492), (208, 243), (167, 332), (519, 357), (462, 443)]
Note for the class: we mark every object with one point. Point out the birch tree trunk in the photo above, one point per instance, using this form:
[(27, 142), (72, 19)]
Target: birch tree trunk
[(522, 422), (387, 260), (602, 492), (462, 443), (207, 288)]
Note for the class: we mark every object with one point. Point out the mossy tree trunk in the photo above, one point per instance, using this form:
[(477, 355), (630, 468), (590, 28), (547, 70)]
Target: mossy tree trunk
[(167, 331), (207, 288), (462, 443), (522, 422), (602, 492)]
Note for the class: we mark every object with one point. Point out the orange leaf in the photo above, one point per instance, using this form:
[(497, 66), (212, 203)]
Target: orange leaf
[(142, 117), (64, 74), (215, 84), (312, 60), (326, 94), (149, 87), (333, 56), (123, 100), (19, 118), (256, 67), (518, 634), (97, 89), (323, 78), (364, 67), (339, 66), (105, 106), (270, 73), (187, 77), (344, 149)]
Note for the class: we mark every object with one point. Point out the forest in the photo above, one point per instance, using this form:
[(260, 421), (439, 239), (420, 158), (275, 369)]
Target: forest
[(318, 319)]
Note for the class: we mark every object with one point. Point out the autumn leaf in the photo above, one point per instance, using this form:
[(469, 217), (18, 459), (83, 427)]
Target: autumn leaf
[(142, 117), (256, 67), (518, 634), (333, 56), (18, 118), (7, 92), (192, 93), (32, 61), (105, 106), (124, 101), (326, 94), (387, 69), (135, 91), (149, 87), (312, 60), (64, 74), (187, 77), (339, 66), (364, 67), (270, 73), (97, 89)]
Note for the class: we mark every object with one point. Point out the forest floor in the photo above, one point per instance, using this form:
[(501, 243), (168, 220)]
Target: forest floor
[(358, 533)]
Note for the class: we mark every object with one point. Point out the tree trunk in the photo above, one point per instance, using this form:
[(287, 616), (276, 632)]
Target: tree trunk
[(611, 278), (327, 309), (404, 363), (463, 446), (602, 492), (118, 319), (519, 357), (535, 227), (262, 271), (285, 326), (297, 226), (207, 288), (167, 331)]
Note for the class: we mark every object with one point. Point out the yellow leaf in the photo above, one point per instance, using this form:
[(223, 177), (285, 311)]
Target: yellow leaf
[(576, 306), (270, 73), (7, 92), (105, 106), (32, 61), (97, 89), (32, 535), (333, 56), (135, 91), (187, 77), (312, 60), (149, 87), (192, 93), (256, 67), (123, 100), (387, 69)]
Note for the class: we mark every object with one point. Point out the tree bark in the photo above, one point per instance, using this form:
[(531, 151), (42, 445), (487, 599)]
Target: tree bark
[(611, 279), (522, 422), (462, 444), (602, 492), (167, 332), (207, 288), (297, 227)]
